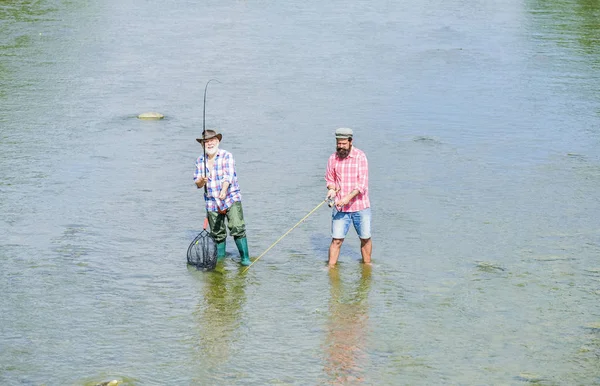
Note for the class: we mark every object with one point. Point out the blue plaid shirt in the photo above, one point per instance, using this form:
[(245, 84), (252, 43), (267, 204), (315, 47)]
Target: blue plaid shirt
[(223, 170)]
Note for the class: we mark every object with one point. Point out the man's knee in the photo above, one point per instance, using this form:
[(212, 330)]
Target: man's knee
[(238, 231), (337, 242)]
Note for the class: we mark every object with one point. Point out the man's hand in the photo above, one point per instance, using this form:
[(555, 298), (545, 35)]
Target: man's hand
[(330, 194), (201, 181), (224, 189), (345, 200)]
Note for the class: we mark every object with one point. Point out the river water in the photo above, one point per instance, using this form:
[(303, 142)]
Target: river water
[(481, 124)]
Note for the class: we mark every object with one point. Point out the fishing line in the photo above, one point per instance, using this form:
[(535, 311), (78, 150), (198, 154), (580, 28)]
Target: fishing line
[(285, 234)]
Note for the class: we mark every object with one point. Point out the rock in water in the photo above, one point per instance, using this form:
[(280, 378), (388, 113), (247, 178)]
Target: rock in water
[(109, 383), (151, 115)]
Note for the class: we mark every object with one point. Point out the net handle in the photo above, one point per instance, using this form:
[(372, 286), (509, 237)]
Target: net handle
[(205, 223)]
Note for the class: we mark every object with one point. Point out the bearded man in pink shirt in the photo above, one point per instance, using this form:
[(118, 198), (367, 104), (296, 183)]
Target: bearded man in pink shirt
[(347, 178)]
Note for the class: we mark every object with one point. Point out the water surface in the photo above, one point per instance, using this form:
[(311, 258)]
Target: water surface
[(481, 126)]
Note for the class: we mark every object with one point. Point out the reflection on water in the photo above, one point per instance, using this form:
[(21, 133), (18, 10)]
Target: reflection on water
[(347, 327), (218, 315), (482, 126), (577, 19)]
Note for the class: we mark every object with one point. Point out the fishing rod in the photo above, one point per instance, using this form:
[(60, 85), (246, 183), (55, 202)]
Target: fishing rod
[(204, 128), (202, 252)]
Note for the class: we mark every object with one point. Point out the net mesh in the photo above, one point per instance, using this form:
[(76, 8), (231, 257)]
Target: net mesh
[(202, 252)]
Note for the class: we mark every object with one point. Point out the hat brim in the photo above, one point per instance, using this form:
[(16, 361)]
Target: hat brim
[(218, 136)]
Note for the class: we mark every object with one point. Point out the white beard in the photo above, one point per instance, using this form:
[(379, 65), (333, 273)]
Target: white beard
[(212, 151)]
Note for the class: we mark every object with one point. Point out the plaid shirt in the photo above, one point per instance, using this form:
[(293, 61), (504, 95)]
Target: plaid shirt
[(223, 170), (348, 174)]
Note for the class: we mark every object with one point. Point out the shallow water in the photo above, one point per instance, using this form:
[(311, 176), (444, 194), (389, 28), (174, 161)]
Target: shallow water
[(481, 126)]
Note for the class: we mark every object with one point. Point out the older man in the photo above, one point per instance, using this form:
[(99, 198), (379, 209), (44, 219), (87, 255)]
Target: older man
[(347, 178), (216, 174)]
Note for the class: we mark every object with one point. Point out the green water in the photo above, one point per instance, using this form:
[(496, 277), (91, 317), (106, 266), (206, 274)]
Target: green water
[(481, 125)]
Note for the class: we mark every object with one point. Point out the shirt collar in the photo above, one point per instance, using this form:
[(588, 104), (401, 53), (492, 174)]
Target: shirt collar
[(216, 156)]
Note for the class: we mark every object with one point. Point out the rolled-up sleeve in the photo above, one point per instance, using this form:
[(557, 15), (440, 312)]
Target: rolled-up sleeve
[(229, 169), (362, 175), (198, 169), (330, 172)]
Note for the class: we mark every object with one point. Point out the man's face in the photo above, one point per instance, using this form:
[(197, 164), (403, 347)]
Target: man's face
[(343, 147), (211, 145)]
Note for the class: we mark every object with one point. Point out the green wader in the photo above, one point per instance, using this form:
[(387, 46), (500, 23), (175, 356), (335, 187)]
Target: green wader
[(234, 220)]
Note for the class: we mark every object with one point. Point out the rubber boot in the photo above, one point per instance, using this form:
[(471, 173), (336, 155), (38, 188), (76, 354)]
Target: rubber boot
[(220, 250), (242, 245)]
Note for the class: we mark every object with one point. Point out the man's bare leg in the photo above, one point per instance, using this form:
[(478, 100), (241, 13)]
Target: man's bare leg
[(334, 251), (365, 250)]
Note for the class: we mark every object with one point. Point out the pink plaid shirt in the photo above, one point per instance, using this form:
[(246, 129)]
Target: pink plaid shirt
[(348, 174)]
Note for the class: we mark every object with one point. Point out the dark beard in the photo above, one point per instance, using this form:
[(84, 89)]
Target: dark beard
[(342, 153)]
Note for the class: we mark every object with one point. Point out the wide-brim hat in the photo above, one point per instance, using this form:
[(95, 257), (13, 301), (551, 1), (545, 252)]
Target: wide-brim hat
[(208, 134)]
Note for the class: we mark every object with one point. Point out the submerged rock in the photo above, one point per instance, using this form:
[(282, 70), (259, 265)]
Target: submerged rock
[(530, 377), (593, 325), (109, 383), (151, 115), (487, 266)]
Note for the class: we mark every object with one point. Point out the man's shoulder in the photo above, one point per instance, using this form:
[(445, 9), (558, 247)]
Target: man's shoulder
[(356, 152), (224, 153)]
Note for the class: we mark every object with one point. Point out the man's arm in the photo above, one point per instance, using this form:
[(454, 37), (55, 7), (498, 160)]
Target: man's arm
[(199, 180), (363, 175), (228, 173), (224, 188), (361, 185), (330, 179), (346, 199)]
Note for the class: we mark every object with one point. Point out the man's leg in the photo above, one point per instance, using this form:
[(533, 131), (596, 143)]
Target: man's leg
[(237, 229), (216, 222), (365, 250), (362, 225), (340, 224), (334, 251)]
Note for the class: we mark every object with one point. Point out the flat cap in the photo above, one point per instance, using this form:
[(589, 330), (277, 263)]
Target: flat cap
[(343, 133)]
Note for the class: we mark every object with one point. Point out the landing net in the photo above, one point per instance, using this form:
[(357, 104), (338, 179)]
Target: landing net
[(202, 252)]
